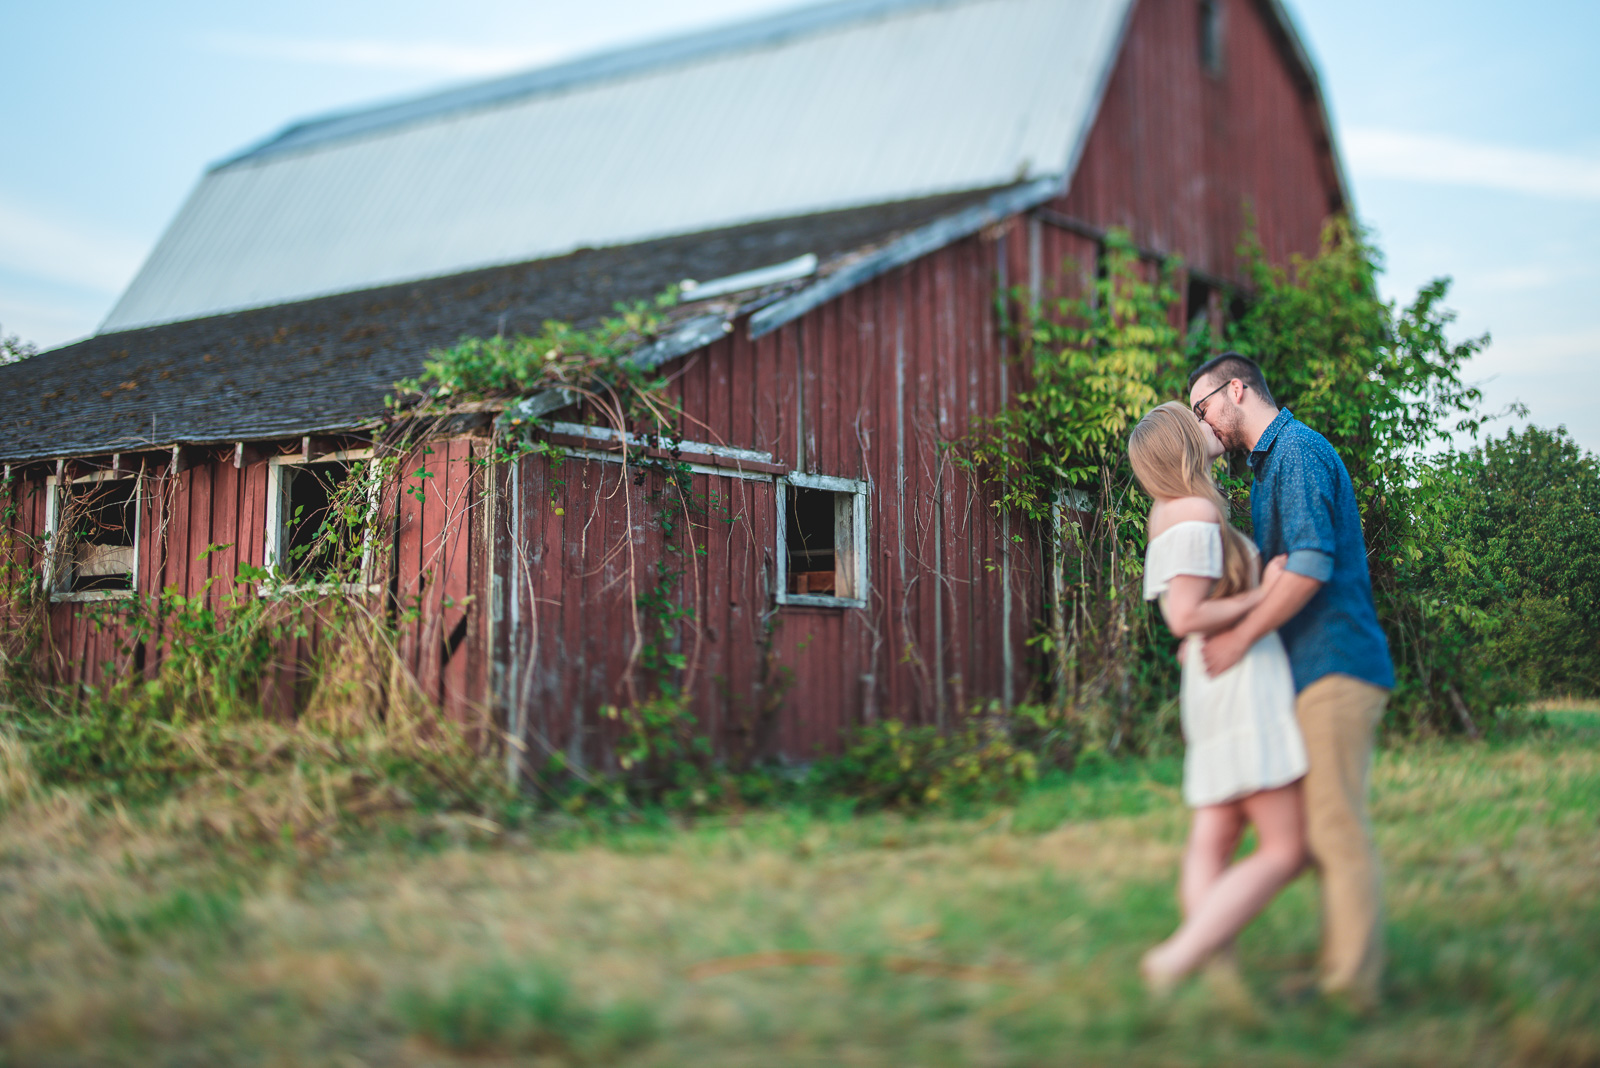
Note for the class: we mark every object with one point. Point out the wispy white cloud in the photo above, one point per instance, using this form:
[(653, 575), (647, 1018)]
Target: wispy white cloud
[(35, 245), (1438, 160), (418, 57)]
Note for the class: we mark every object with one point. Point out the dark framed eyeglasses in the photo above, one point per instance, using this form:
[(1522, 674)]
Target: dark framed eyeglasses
[(1199, 406)]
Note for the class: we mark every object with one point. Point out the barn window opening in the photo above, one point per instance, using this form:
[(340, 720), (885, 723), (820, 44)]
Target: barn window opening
[(824, 541), (1238, 307), (1197, 306), (812, 558), (1211, 37), (313, 536), (99, 521)]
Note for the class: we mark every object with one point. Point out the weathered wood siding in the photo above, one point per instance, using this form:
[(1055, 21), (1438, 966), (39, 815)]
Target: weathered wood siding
[(199, 525), (1182, 158), (867, 387)]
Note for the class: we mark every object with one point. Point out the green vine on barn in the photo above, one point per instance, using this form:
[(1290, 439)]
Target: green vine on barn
[(661, 748), (1382, 382)]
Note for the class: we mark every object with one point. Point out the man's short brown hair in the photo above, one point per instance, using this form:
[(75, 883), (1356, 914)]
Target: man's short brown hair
[(1231, 365)]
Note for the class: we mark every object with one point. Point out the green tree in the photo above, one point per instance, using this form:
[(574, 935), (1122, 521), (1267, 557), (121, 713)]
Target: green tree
[(1511, 563), (1381, 381), (14, 350)]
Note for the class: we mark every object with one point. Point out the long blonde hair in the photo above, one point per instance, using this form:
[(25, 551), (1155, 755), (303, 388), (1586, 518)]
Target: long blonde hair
[(1168, 453)]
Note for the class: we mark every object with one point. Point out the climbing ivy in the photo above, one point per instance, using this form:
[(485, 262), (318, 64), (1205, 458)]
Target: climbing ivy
[(660, 749), (1055, 455), (1382, 382)]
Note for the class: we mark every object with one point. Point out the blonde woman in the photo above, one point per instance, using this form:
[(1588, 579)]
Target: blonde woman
[(1244, 756)]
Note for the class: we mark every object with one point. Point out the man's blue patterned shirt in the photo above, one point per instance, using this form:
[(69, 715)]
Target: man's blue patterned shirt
[(1302, 503)]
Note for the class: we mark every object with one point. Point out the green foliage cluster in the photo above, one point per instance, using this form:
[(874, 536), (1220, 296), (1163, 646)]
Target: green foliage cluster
[(13, 349), (1382, 383), (666, 764), (587, 360), (127, 736), (505, 1009), (1508, 566), (662, 754), (1056, 455), (210, 916), (1095, 365), (892, 765)]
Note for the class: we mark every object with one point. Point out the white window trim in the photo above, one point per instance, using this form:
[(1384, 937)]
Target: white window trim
[(608, 436), (52, 517), (272, 554), (858, 515), (705, 448)]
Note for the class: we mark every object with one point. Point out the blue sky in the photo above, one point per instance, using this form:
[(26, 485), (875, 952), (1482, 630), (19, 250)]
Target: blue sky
[(1470, 130)]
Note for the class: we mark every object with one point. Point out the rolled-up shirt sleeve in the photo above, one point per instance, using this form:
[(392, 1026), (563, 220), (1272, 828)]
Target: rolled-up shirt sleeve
[(1310, 563), (1305, 507)]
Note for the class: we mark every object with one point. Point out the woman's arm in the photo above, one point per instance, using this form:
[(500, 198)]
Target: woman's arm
[(1189, 609)]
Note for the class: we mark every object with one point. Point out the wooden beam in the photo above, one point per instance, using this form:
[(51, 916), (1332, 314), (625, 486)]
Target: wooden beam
[(179, 461), (312, 446), (912, 246)]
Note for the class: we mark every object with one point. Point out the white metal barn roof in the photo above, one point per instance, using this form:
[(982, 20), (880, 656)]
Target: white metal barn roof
[(851, 103)]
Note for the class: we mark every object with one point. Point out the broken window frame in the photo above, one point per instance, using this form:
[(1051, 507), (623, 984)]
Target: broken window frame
[(274, 544), (55, 575), (855, 564)]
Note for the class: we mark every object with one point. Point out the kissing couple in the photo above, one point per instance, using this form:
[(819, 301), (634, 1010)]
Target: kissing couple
[(1285, 674)]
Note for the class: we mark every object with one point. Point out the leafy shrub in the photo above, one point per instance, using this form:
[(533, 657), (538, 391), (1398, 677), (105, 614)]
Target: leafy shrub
[(1510, 566), (1381, 382), (890, 764), (1055, 456), (561, 354)]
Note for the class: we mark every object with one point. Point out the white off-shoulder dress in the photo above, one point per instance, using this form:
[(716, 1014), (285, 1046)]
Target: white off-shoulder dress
[(1239, 729)]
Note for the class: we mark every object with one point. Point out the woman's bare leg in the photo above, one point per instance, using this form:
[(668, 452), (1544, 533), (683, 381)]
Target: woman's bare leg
[(1242, 891), (1213, 840)]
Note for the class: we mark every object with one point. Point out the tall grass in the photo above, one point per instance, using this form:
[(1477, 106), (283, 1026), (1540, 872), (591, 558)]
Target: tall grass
[(1007, 936)]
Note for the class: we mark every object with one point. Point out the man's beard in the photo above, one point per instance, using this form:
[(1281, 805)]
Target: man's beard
[(1230, 430)]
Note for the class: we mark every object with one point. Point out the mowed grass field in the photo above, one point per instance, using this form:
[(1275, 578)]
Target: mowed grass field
[(1007, 936)]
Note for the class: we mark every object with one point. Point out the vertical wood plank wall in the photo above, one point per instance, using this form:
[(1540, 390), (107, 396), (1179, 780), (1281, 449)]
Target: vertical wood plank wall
[(1181, 157), (866, 387), (199, 525)]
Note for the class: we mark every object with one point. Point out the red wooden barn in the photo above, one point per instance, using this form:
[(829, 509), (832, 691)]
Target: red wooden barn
[(851, 184)]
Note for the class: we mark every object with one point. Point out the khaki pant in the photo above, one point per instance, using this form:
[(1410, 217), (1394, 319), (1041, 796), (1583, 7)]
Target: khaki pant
[(1338, 715)]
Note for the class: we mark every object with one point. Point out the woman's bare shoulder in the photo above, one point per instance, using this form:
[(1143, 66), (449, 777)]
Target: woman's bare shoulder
[(1169, 514)]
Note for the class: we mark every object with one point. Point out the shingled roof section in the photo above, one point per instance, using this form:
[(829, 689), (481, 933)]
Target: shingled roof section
[(326, 365)]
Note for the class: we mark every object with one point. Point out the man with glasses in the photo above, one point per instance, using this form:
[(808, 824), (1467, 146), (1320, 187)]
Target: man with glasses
[(1302, 504)]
